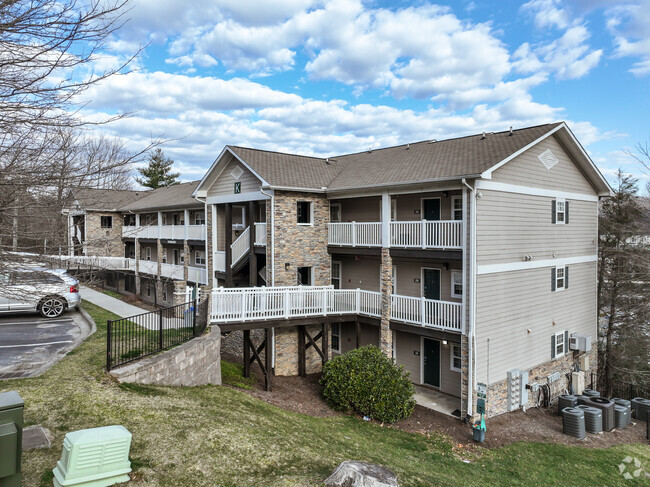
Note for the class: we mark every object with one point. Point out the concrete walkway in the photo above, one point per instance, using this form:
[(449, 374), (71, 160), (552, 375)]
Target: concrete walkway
[(120, 308)]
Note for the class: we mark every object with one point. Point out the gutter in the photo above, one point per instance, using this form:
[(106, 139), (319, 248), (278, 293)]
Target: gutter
[(471, 363)]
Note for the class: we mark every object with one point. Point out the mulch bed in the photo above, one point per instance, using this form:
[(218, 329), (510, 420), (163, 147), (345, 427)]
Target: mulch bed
[(303, 395)]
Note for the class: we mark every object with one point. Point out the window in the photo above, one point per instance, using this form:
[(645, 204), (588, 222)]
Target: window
[(132, 252), (107, 221), (457, 208), (147, 253), (199, 256), (148, 290), (456, 361), (182, 259), (164, 293), (164, 218), (456, 284), (164, 256), (304, 276), (560, 212), (336, 337), (199, 218), (335, 212), (304, 212), (393, 210), (559, 278), (559, 344), (336, 275)]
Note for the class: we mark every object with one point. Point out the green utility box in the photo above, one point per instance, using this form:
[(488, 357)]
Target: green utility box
[(11, 438)]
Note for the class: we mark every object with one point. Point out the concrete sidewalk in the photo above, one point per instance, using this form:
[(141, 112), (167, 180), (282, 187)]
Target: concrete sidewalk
[(120, 308)]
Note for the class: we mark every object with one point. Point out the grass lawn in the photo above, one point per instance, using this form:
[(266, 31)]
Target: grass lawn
[(212, 436)]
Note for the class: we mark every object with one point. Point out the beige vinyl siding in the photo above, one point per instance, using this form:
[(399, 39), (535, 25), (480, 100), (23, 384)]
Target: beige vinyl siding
[(408, 204), (359, 209), (527, 170), (511, 225), (225, 183), (449, 379), (221, 223), (510, 303), (408, 270), (154, 251), (359, 274)]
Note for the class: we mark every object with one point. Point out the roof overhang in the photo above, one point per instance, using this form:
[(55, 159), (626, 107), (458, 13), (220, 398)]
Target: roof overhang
[(403, 187), (217, 168), (569, 142)]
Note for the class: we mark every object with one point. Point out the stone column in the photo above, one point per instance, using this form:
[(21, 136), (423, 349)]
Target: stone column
[(186, 259), (160, 283), (179, 293), (386, 337), (210, 221)]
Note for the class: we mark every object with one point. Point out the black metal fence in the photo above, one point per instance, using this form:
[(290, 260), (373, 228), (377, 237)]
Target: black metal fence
[(624, 390), (135, 337)]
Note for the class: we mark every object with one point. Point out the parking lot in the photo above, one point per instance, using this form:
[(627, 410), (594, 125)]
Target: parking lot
[(30, 344)]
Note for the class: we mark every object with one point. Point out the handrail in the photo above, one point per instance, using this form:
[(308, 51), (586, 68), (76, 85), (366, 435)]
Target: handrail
[(240, 246)]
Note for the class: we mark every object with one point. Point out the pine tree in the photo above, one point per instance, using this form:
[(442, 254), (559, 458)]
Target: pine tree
[(157, 173)]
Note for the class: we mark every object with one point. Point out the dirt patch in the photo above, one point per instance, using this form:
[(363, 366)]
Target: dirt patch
[(303, 395)]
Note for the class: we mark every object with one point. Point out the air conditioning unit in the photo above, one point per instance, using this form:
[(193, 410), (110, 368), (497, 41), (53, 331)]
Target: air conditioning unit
[(581, 343)]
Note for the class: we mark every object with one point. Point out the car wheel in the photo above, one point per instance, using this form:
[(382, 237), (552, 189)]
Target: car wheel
[(51, 307)]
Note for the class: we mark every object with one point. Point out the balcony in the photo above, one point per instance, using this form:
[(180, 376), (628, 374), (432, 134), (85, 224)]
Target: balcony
[(252, 304), (167, 232), (423, 234)]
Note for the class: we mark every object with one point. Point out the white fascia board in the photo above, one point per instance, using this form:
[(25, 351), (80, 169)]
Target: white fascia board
[(534, 264), (550, 193), (236, 198), (264, 183), (209, 172), (488, 174)]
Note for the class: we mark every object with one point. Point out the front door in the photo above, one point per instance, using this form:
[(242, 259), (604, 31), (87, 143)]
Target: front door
[(431, 362), (431, 280), (431, 209), (176, 260)]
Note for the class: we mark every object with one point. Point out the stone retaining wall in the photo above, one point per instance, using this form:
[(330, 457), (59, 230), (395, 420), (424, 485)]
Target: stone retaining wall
[(194, 363)]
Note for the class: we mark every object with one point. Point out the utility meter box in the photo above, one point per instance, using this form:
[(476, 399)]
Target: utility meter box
[(96, 456), (11, 438)]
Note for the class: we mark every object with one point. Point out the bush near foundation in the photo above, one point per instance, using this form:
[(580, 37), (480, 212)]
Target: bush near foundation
[(367, 382)]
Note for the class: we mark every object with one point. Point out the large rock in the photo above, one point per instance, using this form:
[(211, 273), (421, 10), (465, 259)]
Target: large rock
[(360, 474)]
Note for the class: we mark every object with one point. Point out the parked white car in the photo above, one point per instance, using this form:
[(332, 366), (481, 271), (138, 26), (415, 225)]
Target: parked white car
[(48, 291)]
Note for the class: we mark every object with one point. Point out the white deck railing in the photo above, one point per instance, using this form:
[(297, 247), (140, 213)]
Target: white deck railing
[(240, 247), (262, 303), (421, 234), (355, 234), (168, 232), (260, 234), (197, 274), (148, 267), (220, 260)]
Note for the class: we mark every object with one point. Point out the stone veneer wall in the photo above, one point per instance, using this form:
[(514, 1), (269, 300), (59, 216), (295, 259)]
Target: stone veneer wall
[(385, 334), (104, 241), (498, 392), (194, 363), (465, 382), (300, 246)]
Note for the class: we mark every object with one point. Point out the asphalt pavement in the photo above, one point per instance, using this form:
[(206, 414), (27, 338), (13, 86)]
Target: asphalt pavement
[(30, 344)]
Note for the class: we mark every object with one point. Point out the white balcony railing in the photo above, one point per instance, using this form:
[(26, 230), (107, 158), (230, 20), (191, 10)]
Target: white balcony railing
[(355, 234), (260, 234), (148, 267), (248, 304), (240, 246), (414, 234), (168, 232), (220, 261), (197, 274)]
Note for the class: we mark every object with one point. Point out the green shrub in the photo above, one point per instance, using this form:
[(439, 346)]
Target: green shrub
[(367, 382)]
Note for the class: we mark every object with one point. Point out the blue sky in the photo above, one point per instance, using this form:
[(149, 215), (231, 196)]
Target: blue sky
[(329, 77)]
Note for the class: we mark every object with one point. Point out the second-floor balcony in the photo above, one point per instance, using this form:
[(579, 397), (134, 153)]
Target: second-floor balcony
[(422, 234), (167, 232)]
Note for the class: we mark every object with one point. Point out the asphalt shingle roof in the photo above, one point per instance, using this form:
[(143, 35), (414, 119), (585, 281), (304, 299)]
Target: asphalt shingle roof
[(103, 199), (176, 196), (420, 161)]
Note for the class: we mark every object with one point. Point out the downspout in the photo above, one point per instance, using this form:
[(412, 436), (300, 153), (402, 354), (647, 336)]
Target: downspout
[(471, 363), (209, 273), (272, 196)]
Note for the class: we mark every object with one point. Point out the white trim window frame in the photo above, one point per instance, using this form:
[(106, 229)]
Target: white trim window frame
[(336, 215), (164, 256), (335, 339), (457, 213), (560, 346), (455, 360), (310, 213), (199, 218), (560, 278), (147, 253), (456, 282), (106, 221), (199, 257), (335, 276)]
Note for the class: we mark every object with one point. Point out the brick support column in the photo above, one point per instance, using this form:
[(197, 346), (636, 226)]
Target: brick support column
[(385, 335), (138, 287)]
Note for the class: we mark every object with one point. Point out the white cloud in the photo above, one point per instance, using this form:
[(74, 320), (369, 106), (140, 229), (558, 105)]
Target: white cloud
[(548, 13), (630, 25)]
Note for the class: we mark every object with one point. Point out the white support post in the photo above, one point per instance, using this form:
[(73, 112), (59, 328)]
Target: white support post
[(159, 223), (422, 310), (423, 234), (285, 294), (186, 221), (354, 234), (358, 301), (385, 220), (324, 292)]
